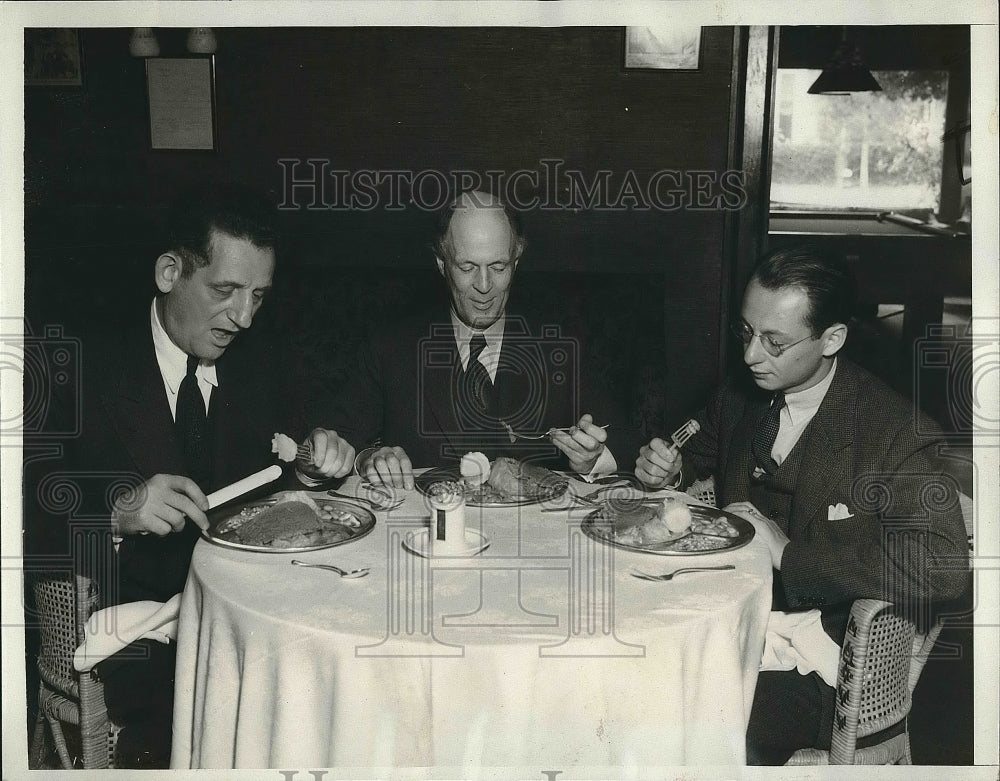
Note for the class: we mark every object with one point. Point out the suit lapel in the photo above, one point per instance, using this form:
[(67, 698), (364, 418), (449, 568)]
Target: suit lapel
[(740, 461), (136, 403), (438, 389), (825, 464)]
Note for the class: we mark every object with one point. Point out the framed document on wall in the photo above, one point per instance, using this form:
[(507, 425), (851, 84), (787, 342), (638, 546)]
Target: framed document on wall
[(181, 94)]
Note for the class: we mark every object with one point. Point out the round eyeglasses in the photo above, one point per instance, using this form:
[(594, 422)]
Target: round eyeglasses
[(745, 334)]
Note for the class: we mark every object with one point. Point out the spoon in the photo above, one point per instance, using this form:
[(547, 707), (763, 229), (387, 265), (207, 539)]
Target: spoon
[(354, 573)]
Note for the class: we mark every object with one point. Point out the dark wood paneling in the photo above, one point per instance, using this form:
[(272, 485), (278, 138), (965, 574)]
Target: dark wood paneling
[(391, 98)]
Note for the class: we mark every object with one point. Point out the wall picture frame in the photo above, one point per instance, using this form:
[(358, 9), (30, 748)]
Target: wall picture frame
[(663, 47), (52, 57), (181, 103)]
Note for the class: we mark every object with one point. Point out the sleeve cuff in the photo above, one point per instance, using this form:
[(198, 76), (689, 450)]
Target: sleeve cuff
[(605, 465)]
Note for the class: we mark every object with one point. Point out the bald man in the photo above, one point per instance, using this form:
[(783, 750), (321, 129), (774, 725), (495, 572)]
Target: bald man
[(439, 384)]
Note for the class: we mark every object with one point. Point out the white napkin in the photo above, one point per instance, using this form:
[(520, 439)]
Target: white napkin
[(111, 629), (797, 641)]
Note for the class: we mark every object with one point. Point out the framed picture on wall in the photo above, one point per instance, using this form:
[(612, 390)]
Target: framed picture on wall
[(181, 97), (664, 47), (52, 57)]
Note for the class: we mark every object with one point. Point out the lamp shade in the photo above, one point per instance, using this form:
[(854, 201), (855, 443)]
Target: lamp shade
[(143, 43), (845, 73), (201, 40)]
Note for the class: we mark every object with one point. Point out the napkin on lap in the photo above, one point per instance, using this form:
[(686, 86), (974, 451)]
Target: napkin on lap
[(797, 641), (111, 629)]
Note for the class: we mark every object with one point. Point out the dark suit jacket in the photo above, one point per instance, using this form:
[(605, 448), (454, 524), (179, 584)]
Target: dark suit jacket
[(127, 436), (403, 394), (906, 539)]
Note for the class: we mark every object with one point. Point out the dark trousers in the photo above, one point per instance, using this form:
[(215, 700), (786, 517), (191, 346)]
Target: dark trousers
[(139, 692), (790, 711)]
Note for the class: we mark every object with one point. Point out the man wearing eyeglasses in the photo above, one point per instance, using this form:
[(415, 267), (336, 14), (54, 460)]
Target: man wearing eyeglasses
[(825, 461)]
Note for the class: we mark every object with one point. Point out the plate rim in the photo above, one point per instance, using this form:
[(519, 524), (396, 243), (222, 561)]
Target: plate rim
[(454, 474), (370, 520), (587, 526)]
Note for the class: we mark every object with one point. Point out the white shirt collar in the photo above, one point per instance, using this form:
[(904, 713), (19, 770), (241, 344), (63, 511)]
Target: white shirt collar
[(463, 334), (490, 356), (173, 360), (804, 403)]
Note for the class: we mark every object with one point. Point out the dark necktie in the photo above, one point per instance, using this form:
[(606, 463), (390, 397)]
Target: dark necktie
[(477, 382), (477, 377), (766, 433), (192, 427)]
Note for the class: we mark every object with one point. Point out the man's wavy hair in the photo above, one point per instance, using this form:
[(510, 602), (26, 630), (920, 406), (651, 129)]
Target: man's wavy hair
[(825, 278), (229, 208), (440, 245)]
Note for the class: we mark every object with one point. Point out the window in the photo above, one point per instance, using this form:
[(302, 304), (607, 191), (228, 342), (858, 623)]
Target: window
[(871, 151)]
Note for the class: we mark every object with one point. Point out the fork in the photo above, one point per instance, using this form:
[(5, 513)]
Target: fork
[(514, 436), (349, 574), (670, 575), (684, 433)]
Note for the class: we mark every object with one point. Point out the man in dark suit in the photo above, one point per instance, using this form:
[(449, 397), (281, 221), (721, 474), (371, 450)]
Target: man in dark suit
[(439, 384), (172, 413), (827, 463)]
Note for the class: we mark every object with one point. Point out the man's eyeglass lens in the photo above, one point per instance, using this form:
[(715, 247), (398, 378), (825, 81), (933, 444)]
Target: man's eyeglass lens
[(745, 334)]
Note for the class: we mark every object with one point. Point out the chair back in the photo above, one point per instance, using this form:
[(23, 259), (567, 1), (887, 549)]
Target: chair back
[(880, 662), (703, 491), (64, 603)]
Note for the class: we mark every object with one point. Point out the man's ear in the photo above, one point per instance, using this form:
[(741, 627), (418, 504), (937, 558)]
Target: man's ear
[(834, 337), (167, 271), (440, 264)]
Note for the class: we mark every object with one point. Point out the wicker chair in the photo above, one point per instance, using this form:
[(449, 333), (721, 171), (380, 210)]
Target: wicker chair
[(880, 662), (703, 491), (64, 604)]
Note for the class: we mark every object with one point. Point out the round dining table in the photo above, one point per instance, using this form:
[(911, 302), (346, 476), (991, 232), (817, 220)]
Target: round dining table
[(541, 652)]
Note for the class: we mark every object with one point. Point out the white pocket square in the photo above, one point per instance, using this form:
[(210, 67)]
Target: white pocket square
[(838, 512)]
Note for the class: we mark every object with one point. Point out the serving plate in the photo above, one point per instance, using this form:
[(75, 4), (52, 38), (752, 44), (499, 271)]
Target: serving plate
[(473, 498), (599, 526), (364, 517)]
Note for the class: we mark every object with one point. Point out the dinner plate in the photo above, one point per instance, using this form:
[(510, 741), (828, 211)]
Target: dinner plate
[(419, 542), (365, 518), (598, 526), (444, 474)]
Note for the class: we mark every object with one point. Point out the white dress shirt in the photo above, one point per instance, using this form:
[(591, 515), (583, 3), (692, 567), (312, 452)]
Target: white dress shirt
[(799, 409), (490, 359), (173, 365)]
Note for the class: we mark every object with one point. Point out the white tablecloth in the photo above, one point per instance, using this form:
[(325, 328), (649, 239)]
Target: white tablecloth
[(542, 652)]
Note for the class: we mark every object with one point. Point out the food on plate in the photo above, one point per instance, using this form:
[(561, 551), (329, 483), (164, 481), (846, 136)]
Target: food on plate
[(716, 527), (284, 446), (295, 520), (648, 524), (507, 480), (475, 468), (693, 543), (515, 480), (675, 513)]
